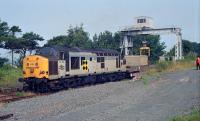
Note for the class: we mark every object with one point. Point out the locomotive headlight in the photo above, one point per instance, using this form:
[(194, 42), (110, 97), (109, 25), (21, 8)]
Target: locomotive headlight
[(24, 72), (42, 72)]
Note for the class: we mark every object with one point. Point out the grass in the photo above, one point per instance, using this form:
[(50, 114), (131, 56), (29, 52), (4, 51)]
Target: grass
[(145, 79), (9, 76), (20, 94), (167, 66), (193, 116), (171, 66)]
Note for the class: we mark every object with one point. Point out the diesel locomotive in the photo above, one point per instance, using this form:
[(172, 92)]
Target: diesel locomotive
[(58, 67)]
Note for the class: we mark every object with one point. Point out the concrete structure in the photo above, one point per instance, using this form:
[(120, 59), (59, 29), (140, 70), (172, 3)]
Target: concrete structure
[(143, 21), (144, 26), (136, 60)]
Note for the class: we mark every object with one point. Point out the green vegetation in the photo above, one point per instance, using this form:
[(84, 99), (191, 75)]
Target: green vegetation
[(17, 44), (20, 94), (153, 41), (193, 116), (145, 79), (78, 37), (2, 61), (9, 76), (170, 66), (188, 47)]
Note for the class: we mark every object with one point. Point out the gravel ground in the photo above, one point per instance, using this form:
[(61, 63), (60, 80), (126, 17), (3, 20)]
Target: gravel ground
[(163, 97)]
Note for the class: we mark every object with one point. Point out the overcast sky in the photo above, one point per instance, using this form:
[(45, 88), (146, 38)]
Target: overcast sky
[(53, 17)]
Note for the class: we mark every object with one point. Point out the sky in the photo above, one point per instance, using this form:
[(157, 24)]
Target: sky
[(50, 18)]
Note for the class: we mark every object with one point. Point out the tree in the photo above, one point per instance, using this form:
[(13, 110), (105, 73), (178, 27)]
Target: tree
[(14, 30), (153, 41), (188, 47), (10, 42), (4, 30), (59, 40), (107, 40), (29, 42), (76, 37), (2, 61)]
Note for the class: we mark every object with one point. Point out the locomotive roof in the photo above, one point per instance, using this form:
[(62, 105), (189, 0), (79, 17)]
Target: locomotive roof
[(53, 50)]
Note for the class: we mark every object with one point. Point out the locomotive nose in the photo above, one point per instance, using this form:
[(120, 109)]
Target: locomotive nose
[(35, 66)]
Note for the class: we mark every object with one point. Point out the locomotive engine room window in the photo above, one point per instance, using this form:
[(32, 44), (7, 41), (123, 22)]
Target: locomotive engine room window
[(100, 59), (75, 64), (82, 59), (61, 56)]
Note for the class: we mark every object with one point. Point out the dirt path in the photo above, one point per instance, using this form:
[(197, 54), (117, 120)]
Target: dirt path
[(164, 97)]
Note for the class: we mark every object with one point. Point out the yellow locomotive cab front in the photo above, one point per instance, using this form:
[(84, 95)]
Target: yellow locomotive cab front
[(35, 66)]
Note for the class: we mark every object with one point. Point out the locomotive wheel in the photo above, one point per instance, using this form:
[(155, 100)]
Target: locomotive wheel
[(44, 87)]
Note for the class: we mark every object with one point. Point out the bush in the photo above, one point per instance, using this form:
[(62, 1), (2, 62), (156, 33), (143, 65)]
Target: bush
[(190, 56), (161, 66), (2, 61), (9, 76), (170, 66)]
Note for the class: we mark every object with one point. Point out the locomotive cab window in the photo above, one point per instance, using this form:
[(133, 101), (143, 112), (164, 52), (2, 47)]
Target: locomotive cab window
[(75, 64), (61, 56)]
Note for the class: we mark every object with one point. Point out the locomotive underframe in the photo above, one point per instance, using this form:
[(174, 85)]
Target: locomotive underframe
[(45, 85)]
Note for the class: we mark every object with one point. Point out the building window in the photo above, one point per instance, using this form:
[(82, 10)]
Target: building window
[(61, 56), (75, 64), (141, 21)]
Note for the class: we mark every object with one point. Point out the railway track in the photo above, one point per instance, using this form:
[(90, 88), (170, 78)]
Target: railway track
[(6, 98)]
